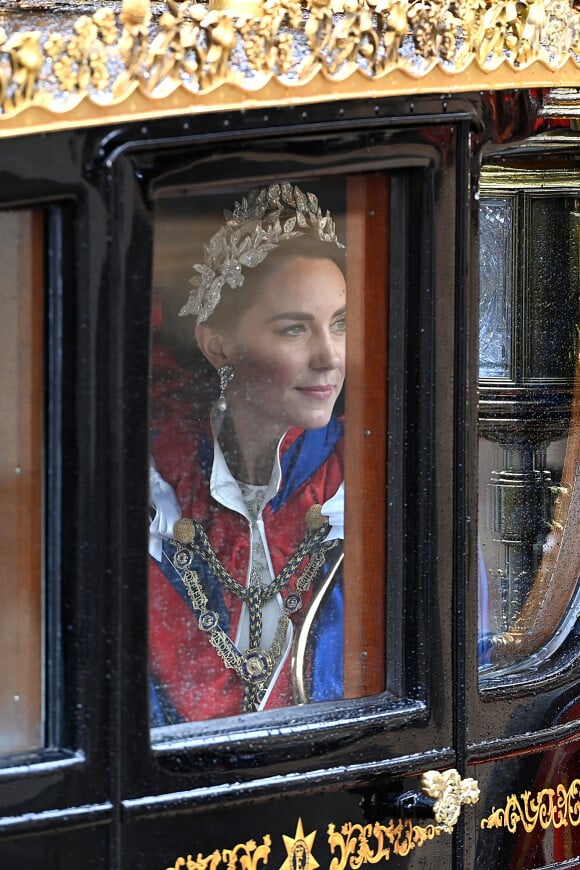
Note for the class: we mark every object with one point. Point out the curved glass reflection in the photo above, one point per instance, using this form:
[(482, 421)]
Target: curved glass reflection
[(529, 419)]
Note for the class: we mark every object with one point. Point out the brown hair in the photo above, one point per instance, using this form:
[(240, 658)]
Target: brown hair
[(234, 302)]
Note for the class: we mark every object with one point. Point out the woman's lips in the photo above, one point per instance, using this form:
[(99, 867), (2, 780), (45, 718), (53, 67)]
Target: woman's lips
[(325, 391)]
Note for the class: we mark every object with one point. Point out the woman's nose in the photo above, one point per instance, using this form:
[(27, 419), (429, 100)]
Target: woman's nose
[(325, 353)]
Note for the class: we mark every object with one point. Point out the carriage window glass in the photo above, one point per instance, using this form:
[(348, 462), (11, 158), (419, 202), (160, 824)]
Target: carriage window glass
[(21, 373), (529, 418), (253, 605)]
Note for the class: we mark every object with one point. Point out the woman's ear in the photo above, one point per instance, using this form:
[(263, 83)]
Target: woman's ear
[(212, 344)]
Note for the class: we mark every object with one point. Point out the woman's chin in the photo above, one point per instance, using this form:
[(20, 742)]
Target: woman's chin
[(314, 420)]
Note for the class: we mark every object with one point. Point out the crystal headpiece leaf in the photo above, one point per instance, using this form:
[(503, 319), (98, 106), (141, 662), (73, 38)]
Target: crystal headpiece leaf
[(257, 225)]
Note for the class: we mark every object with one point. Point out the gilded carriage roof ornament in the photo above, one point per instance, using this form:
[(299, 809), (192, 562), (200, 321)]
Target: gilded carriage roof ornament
[(145, 59)]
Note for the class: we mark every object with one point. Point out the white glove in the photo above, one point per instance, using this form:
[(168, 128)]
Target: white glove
[(167, 510), (333, 509)]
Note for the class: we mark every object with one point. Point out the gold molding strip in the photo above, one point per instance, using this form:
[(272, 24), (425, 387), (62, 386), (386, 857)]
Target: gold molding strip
[(550, 808), (183, 57)]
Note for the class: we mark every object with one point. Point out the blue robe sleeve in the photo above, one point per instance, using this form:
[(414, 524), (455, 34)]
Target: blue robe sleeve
[(327, 649)]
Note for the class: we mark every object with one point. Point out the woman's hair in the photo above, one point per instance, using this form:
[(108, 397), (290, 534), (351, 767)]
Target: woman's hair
[(235, 302), (263, 222)]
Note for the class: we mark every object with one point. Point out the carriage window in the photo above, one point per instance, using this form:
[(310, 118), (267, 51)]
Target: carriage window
[(529, 418), (21, 373), (253, 604)]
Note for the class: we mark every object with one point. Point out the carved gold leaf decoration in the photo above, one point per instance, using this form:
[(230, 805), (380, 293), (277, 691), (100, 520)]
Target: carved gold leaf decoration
[(450, 793), (194, 49)]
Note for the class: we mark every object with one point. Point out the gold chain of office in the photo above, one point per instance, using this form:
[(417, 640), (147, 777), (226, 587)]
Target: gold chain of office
[(256, 665)]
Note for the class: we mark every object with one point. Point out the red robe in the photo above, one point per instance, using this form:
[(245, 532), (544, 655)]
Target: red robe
[(190, 682)]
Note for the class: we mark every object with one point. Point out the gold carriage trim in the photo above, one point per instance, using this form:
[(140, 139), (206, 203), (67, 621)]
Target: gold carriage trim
[(399, 837), (244, 855), (353, 845), (145, 59), (557, 807)]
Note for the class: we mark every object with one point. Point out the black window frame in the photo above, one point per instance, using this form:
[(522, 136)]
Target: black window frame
[(326, 735), (64, 783)]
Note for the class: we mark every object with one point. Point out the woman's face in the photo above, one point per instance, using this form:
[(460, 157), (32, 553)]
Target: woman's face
[(288, 348)]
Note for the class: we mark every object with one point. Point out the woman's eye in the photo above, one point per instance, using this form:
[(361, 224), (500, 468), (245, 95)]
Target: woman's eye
[(339, 325), (294, 329)]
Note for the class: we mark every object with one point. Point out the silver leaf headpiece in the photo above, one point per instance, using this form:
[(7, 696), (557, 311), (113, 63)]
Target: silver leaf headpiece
[(250, 232)]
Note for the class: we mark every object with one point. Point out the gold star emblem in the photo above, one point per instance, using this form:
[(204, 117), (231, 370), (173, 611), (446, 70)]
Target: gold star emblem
[(299, 847)]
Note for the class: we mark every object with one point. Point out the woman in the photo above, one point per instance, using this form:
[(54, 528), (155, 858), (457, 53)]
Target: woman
[(240, 537)]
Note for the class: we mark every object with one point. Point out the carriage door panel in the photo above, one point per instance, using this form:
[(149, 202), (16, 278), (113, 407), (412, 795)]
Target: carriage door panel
[(54, 744), (302, 776), (528, 512)]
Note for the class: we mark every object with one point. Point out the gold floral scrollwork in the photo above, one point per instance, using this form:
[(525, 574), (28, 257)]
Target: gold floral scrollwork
[(245, 856), (450, 793), (355, 847), (557, 807), (357, 844)]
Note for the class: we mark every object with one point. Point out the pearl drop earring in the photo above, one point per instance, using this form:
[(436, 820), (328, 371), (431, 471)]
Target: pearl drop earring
[(225, 373)]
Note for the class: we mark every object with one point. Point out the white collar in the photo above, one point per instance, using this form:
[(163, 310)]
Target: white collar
[(223, 486)]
